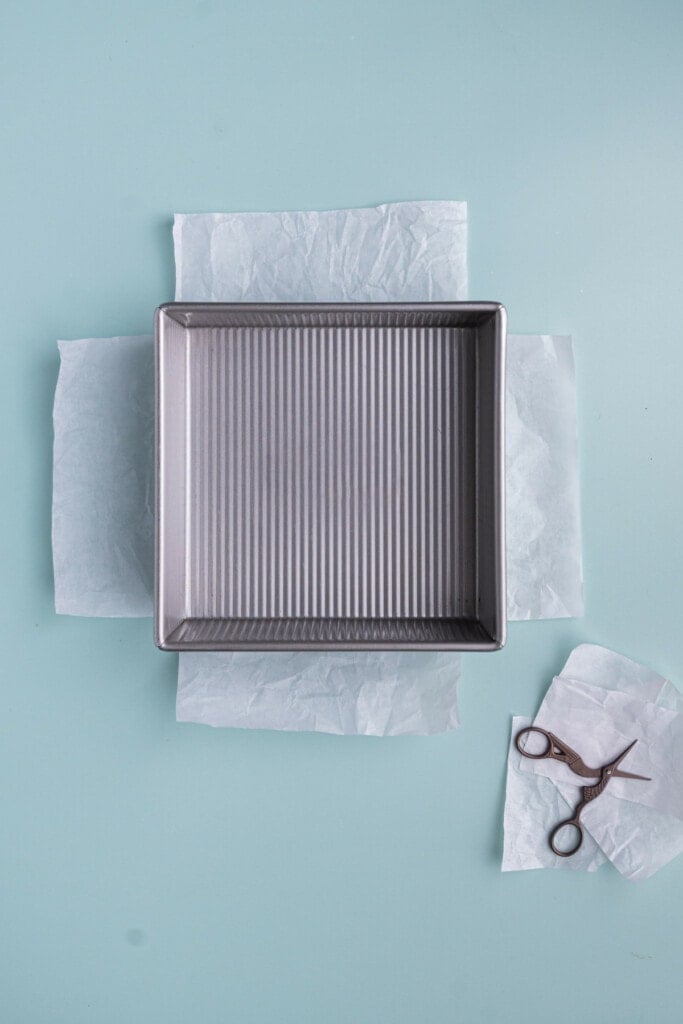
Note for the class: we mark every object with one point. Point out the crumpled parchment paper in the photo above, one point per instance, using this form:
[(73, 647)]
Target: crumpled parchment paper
[(104, 434), (598, 704), (544, 565), (103, 478), (397, 252), (390, 693)]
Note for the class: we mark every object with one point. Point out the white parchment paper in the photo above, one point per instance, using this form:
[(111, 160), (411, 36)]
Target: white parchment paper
[(388, 693), (544, 564), (601, 701), (104, 428), (397, 252), (103, 480)]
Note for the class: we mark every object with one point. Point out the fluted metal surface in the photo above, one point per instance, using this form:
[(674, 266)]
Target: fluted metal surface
[(350, 631), (323, 479)]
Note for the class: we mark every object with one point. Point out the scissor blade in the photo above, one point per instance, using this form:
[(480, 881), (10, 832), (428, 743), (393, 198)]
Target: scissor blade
[(622, 755), (618, 774)]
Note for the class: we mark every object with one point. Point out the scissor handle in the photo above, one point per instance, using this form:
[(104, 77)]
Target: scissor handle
[(547, 752), (570, 822)]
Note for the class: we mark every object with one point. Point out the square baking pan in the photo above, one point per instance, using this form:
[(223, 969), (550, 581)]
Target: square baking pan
[(330, 476)]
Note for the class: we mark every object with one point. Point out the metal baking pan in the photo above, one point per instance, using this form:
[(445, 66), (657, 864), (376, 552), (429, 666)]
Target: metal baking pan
[(330, 476)]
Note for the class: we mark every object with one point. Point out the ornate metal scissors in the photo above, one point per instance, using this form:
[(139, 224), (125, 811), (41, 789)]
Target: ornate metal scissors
[(560, 751)]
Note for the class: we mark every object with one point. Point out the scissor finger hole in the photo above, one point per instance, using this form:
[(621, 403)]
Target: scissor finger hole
[(566, 838), (532, 742)]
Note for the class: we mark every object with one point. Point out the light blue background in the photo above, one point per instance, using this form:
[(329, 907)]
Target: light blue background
[(157, 872)]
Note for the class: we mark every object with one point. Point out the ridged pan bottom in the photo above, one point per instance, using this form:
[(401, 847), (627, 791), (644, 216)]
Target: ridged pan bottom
[(305, 631)]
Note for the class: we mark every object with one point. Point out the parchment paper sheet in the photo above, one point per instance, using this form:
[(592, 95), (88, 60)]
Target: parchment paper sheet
[(102, 522), (598, 704)]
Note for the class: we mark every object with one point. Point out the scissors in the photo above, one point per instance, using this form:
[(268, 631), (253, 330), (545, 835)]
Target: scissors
[(558, 750)]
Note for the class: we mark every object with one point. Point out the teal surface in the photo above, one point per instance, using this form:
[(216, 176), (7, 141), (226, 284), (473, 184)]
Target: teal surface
[(163, 873)]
